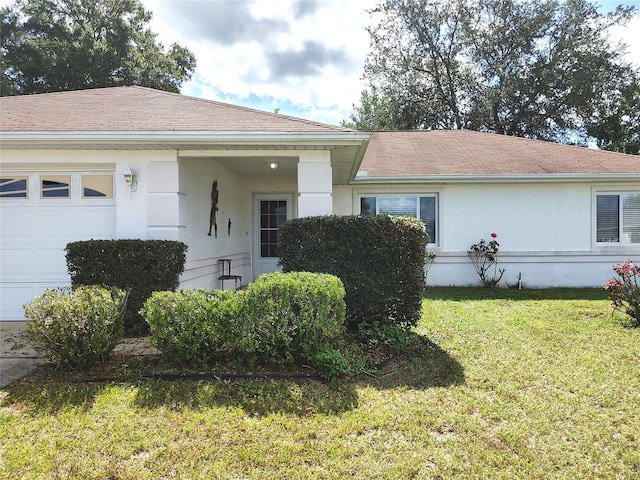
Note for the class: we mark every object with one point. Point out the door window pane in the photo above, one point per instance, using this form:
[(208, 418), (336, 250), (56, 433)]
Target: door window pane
[(273, 213)]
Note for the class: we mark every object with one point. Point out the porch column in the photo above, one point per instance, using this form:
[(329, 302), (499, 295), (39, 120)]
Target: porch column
[(315, 185), (164, 201)]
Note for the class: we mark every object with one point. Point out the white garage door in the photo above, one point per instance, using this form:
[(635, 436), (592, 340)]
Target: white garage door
[(40, 213)]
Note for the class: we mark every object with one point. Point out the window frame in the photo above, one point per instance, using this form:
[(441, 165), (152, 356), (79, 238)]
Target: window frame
[(619, 192), (359, 195)]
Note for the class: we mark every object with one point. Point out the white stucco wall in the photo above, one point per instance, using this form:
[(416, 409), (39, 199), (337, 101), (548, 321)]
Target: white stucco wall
[(343, 201), (546, 231), (526, 217)]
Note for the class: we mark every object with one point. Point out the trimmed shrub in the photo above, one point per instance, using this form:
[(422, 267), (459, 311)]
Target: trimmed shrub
[(76, 327), (290, 317), (193, 326), (139, 266), (281, 319), (379, 259)]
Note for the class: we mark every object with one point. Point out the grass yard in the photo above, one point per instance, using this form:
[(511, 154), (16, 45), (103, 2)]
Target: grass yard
[(508, 384)]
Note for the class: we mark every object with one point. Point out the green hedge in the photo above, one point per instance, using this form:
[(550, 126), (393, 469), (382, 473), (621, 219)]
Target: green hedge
[(280, 319), (379, 259), (76, 327), (139, 266), (195, 327)]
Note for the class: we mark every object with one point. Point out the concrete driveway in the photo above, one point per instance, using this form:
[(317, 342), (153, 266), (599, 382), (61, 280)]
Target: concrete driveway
[(17, 358)]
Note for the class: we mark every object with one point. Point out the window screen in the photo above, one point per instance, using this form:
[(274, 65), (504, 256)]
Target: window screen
[(618, 218), (423, 207)]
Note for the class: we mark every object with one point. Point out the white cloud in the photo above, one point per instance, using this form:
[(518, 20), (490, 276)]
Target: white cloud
[(630, 36), (306, 57)]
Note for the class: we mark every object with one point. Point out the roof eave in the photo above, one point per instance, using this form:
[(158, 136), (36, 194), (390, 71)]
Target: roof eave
[(496, 178), (43, 139)]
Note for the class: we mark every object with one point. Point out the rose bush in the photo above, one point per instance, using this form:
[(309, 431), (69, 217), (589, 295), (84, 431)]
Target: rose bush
[(484, 257), (624, 291)]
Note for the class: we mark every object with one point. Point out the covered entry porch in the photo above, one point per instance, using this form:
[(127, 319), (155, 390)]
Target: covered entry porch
[(241, 197)]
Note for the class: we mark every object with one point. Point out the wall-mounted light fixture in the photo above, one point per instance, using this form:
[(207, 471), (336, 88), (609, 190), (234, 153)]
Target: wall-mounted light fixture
[(274, 165), (130, 179)]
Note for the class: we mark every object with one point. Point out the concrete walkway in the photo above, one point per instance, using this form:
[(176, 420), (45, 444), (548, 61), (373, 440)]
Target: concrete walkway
[(17, 358)]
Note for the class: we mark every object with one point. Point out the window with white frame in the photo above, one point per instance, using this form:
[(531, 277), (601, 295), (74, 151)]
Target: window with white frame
[(422, 206), (618, 217)]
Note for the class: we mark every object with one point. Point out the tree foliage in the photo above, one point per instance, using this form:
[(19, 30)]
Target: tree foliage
[(616, 125), (55, 45), (530, 68)]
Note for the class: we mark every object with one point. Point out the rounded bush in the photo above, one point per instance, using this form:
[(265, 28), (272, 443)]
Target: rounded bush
[(76, 327), (192, 326), (288, 317)]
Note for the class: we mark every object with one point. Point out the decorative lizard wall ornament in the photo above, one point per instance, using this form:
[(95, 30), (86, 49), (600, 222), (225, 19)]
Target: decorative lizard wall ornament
[(214, 209)]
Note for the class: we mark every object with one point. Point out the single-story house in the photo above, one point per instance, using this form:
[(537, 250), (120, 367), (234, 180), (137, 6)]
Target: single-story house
[(133, 162)]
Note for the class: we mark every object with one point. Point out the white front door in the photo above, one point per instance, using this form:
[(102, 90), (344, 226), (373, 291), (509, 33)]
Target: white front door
[(269, 212)]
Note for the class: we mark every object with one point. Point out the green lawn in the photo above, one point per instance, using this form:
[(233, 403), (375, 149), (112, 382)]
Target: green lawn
[(508, 384)]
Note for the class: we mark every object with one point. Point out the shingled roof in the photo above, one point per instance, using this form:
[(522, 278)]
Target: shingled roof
[(140, 109), (469, 153)]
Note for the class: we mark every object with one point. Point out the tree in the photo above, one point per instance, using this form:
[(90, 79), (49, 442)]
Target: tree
[(379, 112), (616, 126), (54, 45), (530, 68), (415, 62)]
